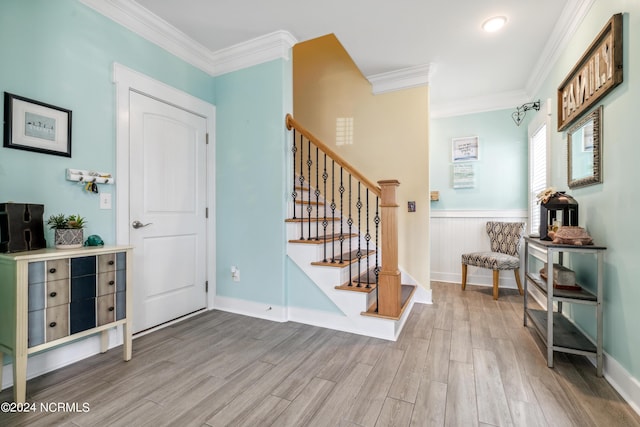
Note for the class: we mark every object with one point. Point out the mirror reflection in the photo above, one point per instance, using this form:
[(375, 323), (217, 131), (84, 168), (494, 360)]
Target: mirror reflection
[(584, 145)]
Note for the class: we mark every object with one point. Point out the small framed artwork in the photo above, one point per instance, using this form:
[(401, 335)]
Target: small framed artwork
[(35, 126), (464, 175), (465, 149)]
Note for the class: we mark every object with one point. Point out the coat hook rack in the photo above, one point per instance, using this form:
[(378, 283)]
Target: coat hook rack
[(87, 176)]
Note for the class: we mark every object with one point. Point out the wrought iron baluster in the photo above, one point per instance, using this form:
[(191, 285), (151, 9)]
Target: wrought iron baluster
[(359, 253), (325, 176), (367, 236), (317, 194), (377, 267), (294, 194), (301, 179), (341, 190), (309, 208), (333, 209), (350, 223)]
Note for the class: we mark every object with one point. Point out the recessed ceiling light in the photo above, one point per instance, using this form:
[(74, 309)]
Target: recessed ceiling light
[(494, 24)]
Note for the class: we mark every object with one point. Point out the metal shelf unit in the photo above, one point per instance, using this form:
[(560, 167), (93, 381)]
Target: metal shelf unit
[(556, 331)]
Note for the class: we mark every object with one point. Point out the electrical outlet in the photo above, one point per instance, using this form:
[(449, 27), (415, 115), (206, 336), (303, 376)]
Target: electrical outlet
[(235, 273), (105, 200)]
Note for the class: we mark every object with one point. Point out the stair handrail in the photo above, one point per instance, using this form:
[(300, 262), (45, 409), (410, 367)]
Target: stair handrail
[(293, 124)]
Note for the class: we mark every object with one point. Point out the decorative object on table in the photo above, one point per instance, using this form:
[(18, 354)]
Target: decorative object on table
[(94, 240), (552, 202), (21, 227), (35, 126), (571, 235), (563, 277), (68, 230)]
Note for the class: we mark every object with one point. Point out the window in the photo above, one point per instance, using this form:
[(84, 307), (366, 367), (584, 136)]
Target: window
[(538, 165)]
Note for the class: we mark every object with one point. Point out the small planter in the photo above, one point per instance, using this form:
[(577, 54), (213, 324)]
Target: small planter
[(69, 238)]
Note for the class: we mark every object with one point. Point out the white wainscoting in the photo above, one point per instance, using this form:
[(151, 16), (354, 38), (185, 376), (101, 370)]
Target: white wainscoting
[(456, 232)]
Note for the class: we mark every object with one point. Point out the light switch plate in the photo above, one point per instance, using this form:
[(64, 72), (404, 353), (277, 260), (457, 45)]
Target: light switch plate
[(105, 200)]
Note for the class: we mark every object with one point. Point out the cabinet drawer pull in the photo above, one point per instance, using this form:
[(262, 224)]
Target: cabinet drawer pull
[(112, 282), (52, 270), (110, 308), (111, 262), (53, 294), (52, 324)]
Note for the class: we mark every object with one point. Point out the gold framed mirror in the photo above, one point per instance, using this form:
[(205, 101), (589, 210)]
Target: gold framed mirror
[(584, 147)]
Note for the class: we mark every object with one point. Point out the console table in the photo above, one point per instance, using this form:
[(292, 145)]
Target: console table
[(557, 332), (50, 297)]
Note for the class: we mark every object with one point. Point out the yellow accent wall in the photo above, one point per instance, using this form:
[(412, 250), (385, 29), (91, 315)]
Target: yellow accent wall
[(390, 135)]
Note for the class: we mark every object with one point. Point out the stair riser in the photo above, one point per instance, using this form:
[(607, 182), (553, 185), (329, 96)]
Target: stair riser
[(308, 254)]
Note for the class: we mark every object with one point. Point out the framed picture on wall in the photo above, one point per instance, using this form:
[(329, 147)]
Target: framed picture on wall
[(465, 149), (35, 126)]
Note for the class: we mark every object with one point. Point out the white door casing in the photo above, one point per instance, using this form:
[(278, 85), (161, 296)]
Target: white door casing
[(167, 193), (172, 233)]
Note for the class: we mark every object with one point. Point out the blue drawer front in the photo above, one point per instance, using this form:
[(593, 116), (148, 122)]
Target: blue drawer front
[(82, 315), (36, 297), (83, 266), (36, 272), (83, 288), (121, 305), (121, 261), (36, 328)]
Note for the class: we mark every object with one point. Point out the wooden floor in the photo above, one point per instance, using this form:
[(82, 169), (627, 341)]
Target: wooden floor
[(466, 360)]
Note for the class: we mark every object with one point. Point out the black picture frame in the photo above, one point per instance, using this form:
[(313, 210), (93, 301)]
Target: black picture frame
[(36, 126)]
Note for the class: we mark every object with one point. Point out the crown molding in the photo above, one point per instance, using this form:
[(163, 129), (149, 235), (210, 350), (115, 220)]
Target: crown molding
[(479, 104), (570, 19), (149, 26), (276, 45), (405, 78)]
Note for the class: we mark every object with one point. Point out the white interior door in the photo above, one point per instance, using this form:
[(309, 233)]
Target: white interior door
[(167, 191)]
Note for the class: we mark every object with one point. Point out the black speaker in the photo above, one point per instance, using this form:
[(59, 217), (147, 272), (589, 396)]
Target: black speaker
[(21, 227)]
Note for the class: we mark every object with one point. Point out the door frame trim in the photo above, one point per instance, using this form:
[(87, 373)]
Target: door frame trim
[(127, 80)]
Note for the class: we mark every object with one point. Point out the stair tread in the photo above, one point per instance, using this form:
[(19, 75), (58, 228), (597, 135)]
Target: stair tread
[(362, 281), (307, 202), (313, 219), (329, 238), (407, 292), (347, 259)]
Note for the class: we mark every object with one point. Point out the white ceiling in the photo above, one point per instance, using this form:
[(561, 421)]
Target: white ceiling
[(469, 69)]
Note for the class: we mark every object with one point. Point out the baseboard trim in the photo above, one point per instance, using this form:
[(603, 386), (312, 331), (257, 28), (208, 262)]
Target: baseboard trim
[(250, 308), (623, 382), (476, 279)]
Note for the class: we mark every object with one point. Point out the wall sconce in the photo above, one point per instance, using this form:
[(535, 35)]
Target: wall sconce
[(521, 111)]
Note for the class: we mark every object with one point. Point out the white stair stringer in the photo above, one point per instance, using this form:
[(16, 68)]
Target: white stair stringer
[(350, 303)]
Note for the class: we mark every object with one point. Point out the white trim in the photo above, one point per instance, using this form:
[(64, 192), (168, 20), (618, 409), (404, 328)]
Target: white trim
[(570, 19), (622, 381), (405, 78), (514, 213), (477, 276), (479, 104), (127, 80), (276, 45), (151, 27), (276, 313)]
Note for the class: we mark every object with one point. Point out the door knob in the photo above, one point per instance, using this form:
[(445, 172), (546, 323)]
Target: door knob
[(138, 224)]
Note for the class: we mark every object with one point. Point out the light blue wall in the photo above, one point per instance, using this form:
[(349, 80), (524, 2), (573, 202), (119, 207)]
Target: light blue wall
[(251, 149), (609, 211), (62, 53), (500, 172)]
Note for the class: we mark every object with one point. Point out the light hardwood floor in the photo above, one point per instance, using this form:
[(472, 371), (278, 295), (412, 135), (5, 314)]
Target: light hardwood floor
[(466, 360)]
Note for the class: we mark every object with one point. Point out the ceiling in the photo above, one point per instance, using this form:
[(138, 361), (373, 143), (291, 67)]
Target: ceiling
[(469, 69)]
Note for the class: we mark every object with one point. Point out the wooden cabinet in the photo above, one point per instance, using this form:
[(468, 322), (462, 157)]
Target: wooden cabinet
[(50, 296), (556, 330)]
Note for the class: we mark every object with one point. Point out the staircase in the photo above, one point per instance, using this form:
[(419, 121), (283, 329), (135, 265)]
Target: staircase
[(342, 233)]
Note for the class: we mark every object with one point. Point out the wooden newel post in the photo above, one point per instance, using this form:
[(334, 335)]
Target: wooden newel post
[(389, 287)]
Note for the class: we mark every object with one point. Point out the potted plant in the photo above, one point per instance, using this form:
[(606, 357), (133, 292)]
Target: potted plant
[(68, 230)]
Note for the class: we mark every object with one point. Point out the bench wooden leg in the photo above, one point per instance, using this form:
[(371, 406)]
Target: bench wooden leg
[(464, 276), (496, 277)]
